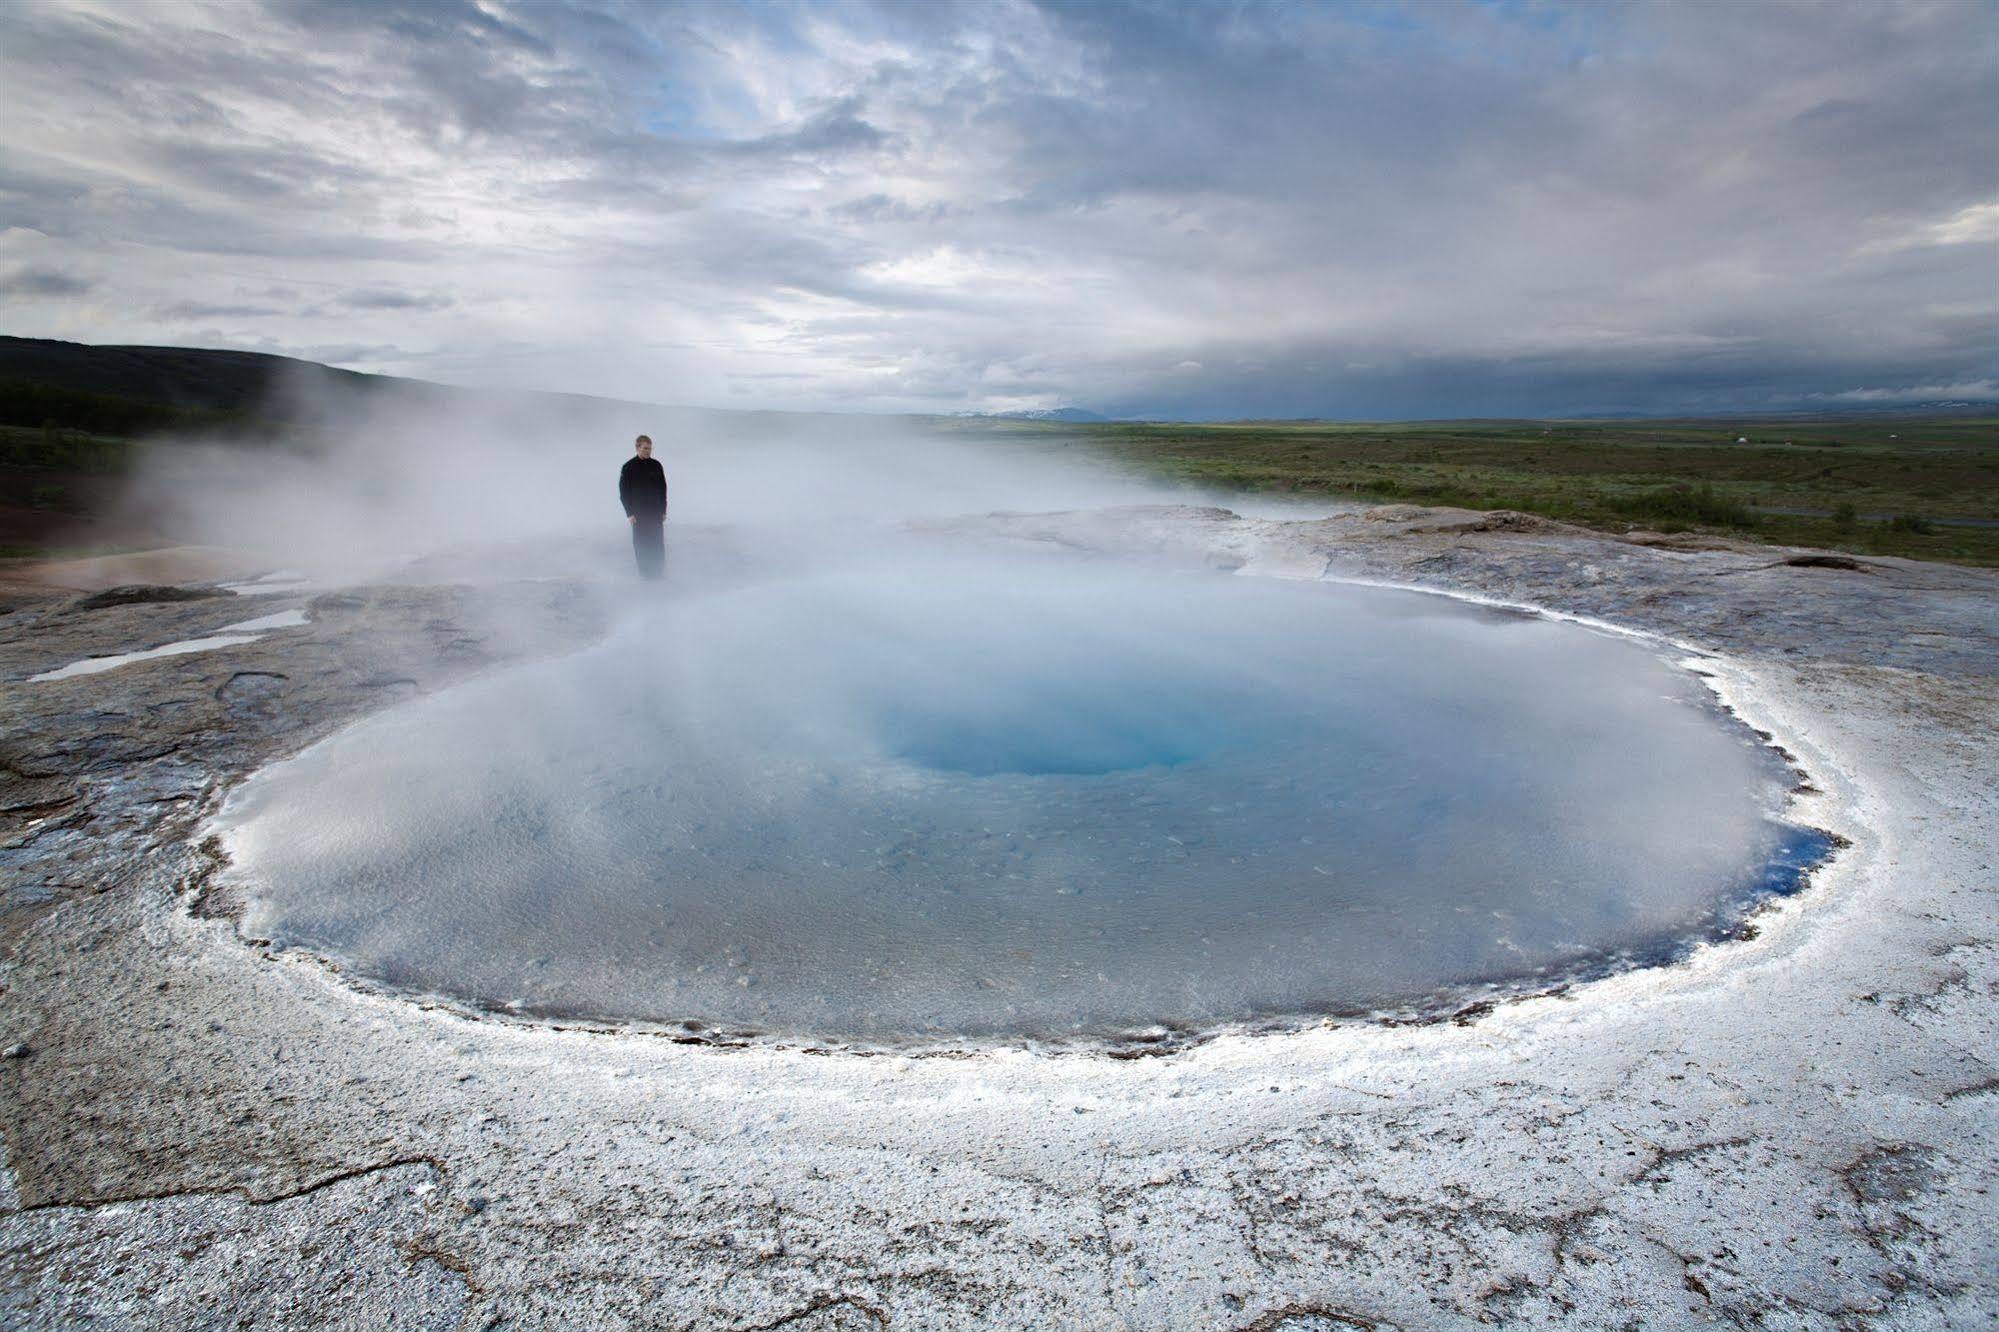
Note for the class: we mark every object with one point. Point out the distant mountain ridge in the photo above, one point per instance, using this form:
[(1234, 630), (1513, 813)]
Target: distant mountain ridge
[(121, 389), (1072, 414)]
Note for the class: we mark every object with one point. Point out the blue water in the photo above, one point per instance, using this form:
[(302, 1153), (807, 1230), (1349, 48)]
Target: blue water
[(924, 799)]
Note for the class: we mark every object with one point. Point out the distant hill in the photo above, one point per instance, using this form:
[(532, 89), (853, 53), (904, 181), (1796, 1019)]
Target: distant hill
[(89, 387), (128, 391), (222, 381)]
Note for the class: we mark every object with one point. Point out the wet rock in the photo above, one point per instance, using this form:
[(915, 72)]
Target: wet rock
[(31, 792), (1687, 541), (1314, 1320), (1828, 562), (1512, 520), (1424, 521), (1399, 513), (251, 692), (1891, 1175), (138, 594)]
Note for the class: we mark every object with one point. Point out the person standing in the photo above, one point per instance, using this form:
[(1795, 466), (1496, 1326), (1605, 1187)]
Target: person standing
[(642, 490)]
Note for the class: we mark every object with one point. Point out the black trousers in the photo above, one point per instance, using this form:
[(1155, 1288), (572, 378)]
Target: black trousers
[(649, 545)]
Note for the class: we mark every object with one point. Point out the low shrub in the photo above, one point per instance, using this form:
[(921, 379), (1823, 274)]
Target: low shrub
[(1685, 504)]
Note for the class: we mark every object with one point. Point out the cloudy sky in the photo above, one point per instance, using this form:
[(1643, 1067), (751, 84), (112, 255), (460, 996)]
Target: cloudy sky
[(1200, 209)]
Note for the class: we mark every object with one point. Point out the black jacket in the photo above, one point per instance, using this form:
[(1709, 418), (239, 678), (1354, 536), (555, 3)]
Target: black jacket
[(642, 488)]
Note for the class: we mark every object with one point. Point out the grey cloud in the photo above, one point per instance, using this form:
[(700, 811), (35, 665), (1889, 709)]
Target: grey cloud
[(86, 204), (256, 174), (351, 354), (155, 74), (382, 298), (31, 194), (874, 208), (198, 228), (421, 24), (35, 283), (836, 129), (193, 310), (345, 355), (1416, 209)]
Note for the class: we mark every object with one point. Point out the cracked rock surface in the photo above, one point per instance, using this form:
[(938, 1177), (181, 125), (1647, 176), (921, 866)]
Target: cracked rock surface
[(1797, 1130)]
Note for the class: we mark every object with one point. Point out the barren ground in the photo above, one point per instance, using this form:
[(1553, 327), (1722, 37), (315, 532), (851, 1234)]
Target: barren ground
[(1797, 1130)]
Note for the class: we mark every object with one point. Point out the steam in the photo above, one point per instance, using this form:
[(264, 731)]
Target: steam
[(852, 774), (380, 482)]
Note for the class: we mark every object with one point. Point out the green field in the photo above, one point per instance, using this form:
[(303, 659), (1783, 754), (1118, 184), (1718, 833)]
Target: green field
[(1877, 484)]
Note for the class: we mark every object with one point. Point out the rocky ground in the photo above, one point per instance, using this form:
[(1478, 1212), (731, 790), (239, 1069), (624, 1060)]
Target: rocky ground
[(1798, 1130)]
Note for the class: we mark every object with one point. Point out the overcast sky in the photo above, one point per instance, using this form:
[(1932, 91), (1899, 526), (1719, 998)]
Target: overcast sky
[(1218, 209)]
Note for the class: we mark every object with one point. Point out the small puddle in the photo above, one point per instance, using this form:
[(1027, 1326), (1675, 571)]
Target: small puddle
[(229, 635), (270, 584)]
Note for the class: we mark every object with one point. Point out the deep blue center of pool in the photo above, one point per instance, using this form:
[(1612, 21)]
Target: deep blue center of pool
[(1071, 727)]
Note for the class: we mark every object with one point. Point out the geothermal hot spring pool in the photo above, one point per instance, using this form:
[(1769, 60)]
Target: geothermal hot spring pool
[(932, 800)]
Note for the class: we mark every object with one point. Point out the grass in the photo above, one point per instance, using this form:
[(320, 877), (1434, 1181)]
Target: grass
[(1721, 476), (28, 403), (65, 449)]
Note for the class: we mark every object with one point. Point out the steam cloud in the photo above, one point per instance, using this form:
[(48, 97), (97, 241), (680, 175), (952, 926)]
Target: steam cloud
[(375, 483)]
